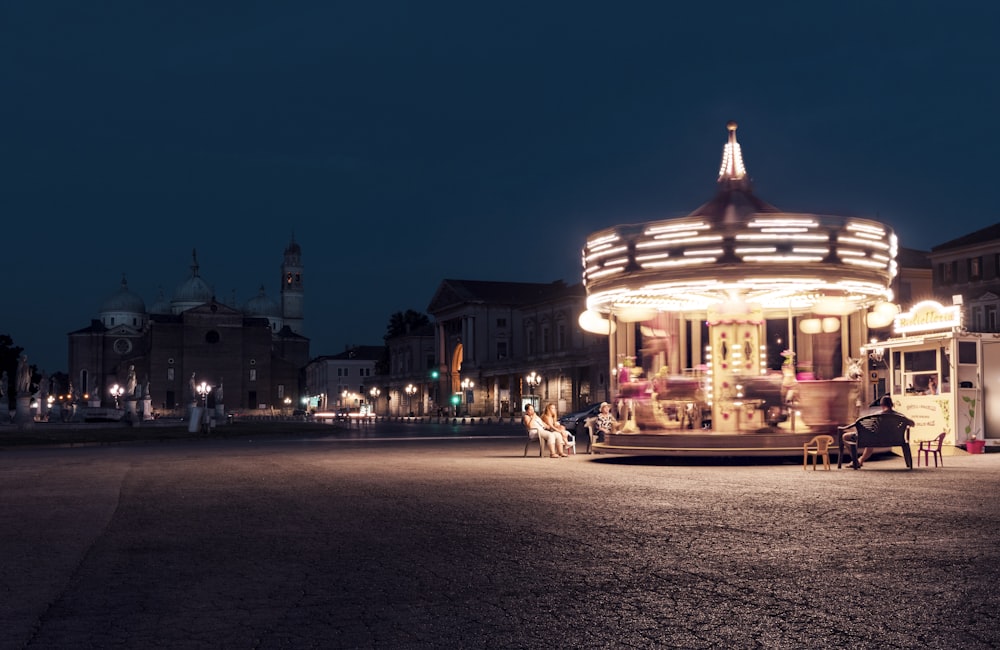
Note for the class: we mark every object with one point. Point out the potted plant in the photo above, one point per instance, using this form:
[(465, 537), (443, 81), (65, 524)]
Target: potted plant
[(975, 445)]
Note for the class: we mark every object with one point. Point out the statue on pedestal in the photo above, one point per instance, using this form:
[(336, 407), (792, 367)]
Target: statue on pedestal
[(130, 382), (23, 376)]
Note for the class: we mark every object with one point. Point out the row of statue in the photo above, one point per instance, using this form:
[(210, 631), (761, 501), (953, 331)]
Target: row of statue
[(23, 384), (22, 377)]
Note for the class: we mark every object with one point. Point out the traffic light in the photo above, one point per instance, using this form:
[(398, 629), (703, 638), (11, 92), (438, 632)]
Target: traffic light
[(456, 399), (434, 374)]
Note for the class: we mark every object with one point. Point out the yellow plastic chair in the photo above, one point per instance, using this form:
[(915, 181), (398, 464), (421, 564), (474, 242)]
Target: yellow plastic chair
[(816, 448)]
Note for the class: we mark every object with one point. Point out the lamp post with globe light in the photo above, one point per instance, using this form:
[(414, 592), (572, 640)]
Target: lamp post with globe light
[(533, 380), (374, 392), (410, 391), (203, 390), (116, 392), (467, 386)]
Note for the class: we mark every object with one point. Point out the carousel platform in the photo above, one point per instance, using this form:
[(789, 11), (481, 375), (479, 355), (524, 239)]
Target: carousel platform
[(705, 442)]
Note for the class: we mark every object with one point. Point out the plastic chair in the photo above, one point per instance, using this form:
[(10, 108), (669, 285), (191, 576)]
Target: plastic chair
[(533, 435), (571, 444), (591, 425), (818, 447), (928, 447)]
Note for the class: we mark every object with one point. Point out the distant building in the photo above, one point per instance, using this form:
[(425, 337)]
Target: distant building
[(255, 351), (492, 335), (343, 380), (969, 266)]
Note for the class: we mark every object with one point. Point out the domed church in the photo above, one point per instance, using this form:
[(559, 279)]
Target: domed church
[(251, 354)]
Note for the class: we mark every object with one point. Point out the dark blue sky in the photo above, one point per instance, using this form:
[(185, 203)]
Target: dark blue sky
[(407, 142)]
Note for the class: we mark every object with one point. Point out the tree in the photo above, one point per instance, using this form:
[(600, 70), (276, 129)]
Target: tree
[(9, 354), (402, 323)]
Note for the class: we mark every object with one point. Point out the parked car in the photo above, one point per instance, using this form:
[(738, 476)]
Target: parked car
[(573, 419)]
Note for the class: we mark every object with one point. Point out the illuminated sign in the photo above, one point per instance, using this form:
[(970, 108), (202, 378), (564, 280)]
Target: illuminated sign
[(928, 316)]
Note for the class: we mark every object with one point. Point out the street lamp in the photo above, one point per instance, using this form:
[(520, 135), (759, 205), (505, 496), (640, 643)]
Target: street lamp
[(533, 380), (467, 385), (288, 403), (374, 392), (203, 390), (116, 392), (410, 391)]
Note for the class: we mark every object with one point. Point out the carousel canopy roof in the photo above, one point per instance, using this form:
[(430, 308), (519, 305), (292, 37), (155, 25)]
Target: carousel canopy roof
[(738, 248)]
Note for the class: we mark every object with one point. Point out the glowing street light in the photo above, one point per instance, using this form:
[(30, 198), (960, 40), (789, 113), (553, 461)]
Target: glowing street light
[(533, 380), (467, 386), (374, 392), (116, 392), (411, 390), (203, 389)]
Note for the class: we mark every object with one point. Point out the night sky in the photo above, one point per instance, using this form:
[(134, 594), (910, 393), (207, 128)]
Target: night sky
[(407, 142)]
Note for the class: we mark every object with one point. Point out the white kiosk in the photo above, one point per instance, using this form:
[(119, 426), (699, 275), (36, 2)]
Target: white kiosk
[(940, 376)]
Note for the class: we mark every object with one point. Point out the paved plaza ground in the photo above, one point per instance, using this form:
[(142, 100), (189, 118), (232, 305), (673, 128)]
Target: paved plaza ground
[(406, 538)]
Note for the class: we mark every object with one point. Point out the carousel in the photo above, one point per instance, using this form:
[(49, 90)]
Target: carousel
[(730, 329)]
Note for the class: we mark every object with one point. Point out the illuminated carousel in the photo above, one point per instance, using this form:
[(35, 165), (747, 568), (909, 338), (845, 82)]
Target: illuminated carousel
[(730, 329)]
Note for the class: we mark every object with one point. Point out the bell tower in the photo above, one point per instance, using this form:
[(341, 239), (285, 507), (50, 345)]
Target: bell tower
[(292, 291)]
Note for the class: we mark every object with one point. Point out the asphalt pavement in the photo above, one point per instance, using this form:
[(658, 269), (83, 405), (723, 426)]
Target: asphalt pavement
[(406, 538)]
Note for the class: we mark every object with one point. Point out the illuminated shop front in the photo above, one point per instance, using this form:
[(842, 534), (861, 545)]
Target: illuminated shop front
[(939, 375), (730, 329)]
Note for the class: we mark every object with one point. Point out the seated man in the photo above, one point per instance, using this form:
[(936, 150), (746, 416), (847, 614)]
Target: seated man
[(886, 404), (550, 437), (605, 423)]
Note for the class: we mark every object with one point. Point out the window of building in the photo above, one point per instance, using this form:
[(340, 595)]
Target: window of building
[(281, 391), (430, 361), (977, 319), (545, 340), (501, 322), (944, 273), (560, 336), (954, 271), (170, 374), (530, 342), (975, 269), (501, 350), (991, 318), (253, 374)]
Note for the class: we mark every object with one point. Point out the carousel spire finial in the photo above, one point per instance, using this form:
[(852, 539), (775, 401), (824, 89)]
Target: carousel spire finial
[(732, 168)]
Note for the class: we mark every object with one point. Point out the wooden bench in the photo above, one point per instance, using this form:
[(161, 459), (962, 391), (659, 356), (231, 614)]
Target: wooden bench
[(888, 429)]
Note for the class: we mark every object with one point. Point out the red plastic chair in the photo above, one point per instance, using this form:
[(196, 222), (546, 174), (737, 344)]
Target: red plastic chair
[(928, 447)]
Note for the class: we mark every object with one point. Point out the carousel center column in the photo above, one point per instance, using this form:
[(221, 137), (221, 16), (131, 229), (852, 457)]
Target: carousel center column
[(734, 333)]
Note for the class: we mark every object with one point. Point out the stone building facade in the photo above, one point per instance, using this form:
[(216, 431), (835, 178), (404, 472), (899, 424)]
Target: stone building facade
[(251, 355), (969, 266), (493, 335)]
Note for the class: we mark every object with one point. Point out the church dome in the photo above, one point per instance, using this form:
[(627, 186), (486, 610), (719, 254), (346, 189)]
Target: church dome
[(192, 292), (194, 289), (123, 308), (124, 301), (161, 306), (261, 305)]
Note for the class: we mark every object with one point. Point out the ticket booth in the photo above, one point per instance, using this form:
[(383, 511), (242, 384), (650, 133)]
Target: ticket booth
[(939, 375)]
